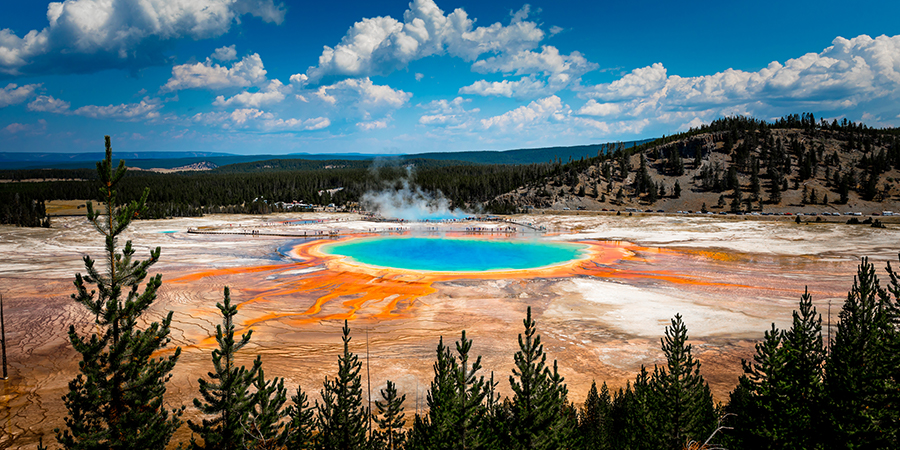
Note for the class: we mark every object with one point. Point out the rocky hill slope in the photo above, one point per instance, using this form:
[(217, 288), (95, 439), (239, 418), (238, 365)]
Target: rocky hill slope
[(735, 164)]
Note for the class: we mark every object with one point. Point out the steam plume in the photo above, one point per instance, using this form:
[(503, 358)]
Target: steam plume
[(409, 202)]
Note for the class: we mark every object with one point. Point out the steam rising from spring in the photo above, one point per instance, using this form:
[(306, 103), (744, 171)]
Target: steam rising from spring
[(409, 202)]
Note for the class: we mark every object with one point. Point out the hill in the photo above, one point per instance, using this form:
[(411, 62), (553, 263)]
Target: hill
[(734, 164)]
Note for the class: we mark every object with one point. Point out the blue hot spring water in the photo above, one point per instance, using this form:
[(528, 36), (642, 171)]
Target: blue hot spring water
[(455, 255)]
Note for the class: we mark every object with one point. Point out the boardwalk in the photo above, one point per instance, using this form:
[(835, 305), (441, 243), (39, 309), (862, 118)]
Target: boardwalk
[(311, 229)]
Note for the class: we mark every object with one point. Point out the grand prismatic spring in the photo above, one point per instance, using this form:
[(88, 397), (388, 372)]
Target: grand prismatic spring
[(602, 289)]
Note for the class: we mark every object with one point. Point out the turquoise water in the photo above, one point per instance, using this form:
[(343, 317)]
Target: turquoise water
[(455, 255)]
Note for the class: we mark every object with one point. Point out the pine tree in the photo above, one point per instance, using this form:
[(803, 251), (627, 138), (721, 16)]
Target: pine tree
[(390, 425), (226, 397), (471, 391), (683, 407), (775, 187), (497, 423), (266, 419), (456, 400), (418, 437), (779, 398), (341, 417), (754, 180), (632, 423), (859, 382), (299, 432), (436, 429), (116, 401), (594, 422), (652, 193), (676, 190), (538, 393), (736, 201), (803, 362)]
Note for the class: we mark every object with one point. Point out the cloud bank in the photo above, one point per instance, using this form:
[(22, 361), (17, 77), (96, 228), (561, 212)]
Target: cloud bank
[(85, 36), (851, 73)]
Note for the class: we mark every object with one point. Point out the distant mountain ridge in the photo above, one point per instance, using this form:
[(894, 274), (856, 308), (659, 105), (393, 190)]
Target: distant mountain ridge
[(96, 156), (172, 160)]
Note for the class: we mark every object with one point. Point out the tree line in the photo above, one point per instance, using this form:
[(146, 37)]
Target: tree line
[(798, 391), (467, 186)]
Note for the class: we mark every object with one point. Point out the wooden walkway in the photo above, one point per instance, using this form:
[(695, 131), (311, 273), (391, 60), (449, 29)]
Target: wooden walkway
[(512, 229)]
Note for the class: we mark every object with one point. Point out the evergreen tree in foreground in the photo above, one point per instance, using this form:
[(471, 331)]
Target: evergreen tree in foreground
[(683, 408), (116, 401), (594, 423), (390, 425), (266, 418), (456, 402), (226, 397), (538, 398), (861, 382), (756, 402), (471, 391), (299, 430), (437, 426), (341, 417), (803, 369), (779, 400), (631, 408)]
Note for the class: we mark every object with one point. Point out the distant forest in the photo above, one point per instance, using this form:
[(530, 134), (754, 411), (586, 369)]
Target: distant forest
[(758, 170), (196, 193)]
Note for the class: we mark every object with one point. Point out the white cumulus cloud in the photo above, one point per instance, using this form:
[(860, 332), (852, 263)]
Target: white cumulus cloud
[(380, 45), (146, 109), (299, 79), (47, 103), (448, 113), (549, 62), (373, 125), (209, 75), (225, 53), (316, 123), (273, 93), (256, 119), (639, 83), (14, 94), (364, 93), (537, 112), (31, 128), (547, 72), (523, 88), (593, 108), (90, 35)]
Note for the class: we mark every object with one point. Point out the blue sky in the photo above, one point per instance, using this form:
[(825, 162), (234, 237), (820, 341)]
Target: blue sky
[(262, 76)]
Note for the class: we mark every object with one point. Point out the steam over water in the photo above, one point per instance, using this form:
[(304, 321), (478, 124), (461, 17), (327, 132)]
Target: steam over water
[(409, 202)]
